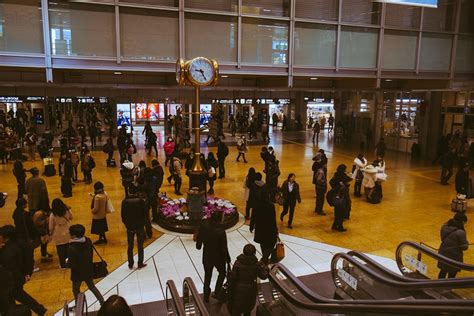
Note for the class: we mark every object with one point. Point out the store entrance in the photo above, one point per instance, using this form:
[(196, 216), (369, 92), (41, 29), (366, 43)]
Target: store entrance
[(319, 109)]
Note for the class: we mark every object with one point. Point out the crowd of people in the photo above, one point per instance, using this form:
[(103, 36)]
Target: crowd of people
[(37, 222)]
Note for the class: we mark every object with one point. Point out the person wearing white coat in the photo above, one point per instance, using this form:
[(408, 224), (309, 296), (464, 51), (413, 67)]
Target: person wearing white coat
[(359, 163)]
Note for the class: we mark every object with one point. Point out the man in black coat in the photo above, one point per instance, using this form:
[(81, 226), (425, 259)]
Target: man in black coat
[(447, 163), (134, 214), (222, 153), (215, 253), (80, 260), (17, 258)]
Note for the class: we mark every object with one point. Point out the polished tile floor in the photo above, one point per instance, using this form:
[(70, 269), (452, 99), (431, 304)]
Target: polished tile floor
[(174, 257), (414, 206)]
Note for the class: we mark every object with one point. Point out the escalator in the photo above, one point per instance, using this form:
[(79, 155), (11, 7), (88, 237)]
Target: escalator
[(358, 276)]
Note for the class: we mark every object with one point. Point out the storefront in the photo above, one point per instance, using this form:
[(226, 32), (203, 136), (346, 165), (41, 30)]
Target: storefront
[(32, 108), (319, 107), (458, 113), (400, 119)]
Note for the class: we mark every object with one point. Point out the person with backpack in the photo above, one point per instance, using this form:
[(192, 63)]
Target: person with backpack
[(211, 163), (222, 153), (80, 261), (242, 148), (87, 165)]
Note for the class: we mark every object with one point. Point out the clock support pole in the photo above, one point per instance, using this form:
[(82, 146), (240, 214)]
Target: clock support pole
[(198, 175)]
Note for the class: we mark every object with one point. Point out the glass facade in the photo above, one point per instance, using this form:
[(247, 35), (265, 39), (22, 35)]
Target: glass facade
[(264, 41), (396, 42), (21, 30), (315, 45), (144, 34), (79, 29), (252, 34), (358, 47), (211, 36), (435, 52)]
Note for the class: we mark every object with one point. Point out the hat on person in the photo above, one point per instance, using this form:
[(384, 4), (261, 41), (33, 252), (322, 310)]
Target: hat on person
[(128, 164), (460, 217), (370, 169)]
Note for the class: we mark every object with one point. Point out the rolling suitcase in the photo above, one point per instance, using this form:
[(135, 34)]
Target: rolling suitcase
[(49, 169)]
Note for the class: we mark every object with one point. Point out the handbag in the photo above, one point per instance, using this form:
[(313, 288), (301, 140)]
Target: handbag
[(99, 268), (110, 207), (223, 294), (278, 253)]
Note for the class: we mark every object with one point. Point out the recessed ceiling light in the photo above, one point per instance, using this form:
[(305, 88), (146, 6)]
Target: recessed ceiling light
[(306, 98), (388, 80), (117, 73), (224, 76), (313, 78)]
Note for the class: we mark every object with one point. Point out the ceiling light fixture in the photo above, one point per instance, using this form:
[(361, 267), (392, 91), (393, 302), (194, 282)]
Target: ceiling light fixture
[(313, 78), (225, 76), (388, 80), (117, 73)]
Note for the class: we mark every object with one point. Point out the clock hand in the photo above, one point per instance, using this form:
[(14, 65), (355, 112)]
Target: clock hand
[(202, 73)]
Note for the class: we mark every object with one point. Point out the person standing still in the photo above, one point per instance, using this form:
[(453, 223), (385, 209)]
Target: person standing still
[(215, 253), (99, 213), (222, 153), (316, 130), (341, 207), (80, 261), (134, 211), (59, 223), (320, 184), (291, 194), (453, 243)]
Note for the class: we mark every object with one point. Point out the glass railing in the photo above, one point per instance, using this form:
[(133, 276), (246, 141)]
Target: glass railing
[(174, 306), (302, 297)]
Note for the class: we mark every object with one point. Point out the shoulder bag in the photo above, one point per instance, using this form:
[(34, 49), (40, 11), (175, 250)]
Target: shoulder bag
[(278, 253), (100, 268), (224, 292)]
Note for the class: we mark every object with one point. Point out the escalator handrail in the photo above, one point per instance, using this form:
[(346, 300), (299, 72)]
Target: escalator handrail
[(431, 253), (66, 309), (318, 302), (170, 285), (81, 301), (189, 283), (422, 284), (381, 268)]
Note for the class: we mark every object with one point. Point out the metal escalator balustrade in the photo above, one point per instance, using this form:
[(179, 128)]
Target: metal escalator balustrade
[(174, 305), (298, 294), (192, 301)]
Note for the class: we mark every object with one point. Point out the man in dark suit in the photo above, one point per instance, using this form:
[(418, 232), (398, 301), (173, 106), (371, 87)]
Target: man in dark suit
[(134, 214), (215, 253)]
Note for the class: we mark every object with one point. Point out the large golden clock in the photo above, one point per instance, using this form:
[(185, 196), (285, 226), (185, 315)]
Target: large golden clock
[(198, 72)]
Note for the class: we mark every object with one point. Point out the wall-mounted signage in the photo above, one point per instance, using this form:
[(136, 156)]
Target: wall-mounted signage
[(421, 3)]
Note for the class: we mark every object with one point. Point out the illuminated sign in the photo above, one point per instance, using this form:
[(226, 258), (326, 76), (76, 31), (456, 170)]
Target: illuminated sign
[(421, 3)]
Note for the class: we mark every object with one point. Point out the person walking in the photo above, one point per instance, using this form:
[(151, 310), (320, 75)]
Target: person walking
[(59, 223), (133, 212), (67, 174), (222, 153), (380, 148), (243, 282), (242, 148), (176, 172), (291, 194), (211, 163), (316, 131), (109, 150), (169, 146), (131, 149), (24, 227), (453, 243), (99, 213), (87, 165), (320, 184), (264, 223), (37, 191), (248, 183), (20, 174), (17, 258), (359, 163), (80, 261), (341, 205), (215, 253), (447, 163)]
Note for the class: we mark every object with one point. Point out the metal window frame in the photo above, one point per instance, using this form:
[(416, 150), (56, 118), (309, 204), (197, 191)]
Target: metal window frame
[(48, 62)]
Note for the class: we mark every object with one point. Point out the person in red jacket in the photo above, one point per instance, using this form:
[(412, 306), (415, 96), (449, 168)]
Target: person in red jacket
[(169, 149)]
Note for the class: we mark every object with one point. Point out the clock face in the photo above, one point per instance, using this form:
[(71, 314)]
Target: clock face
[(201, 71)]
